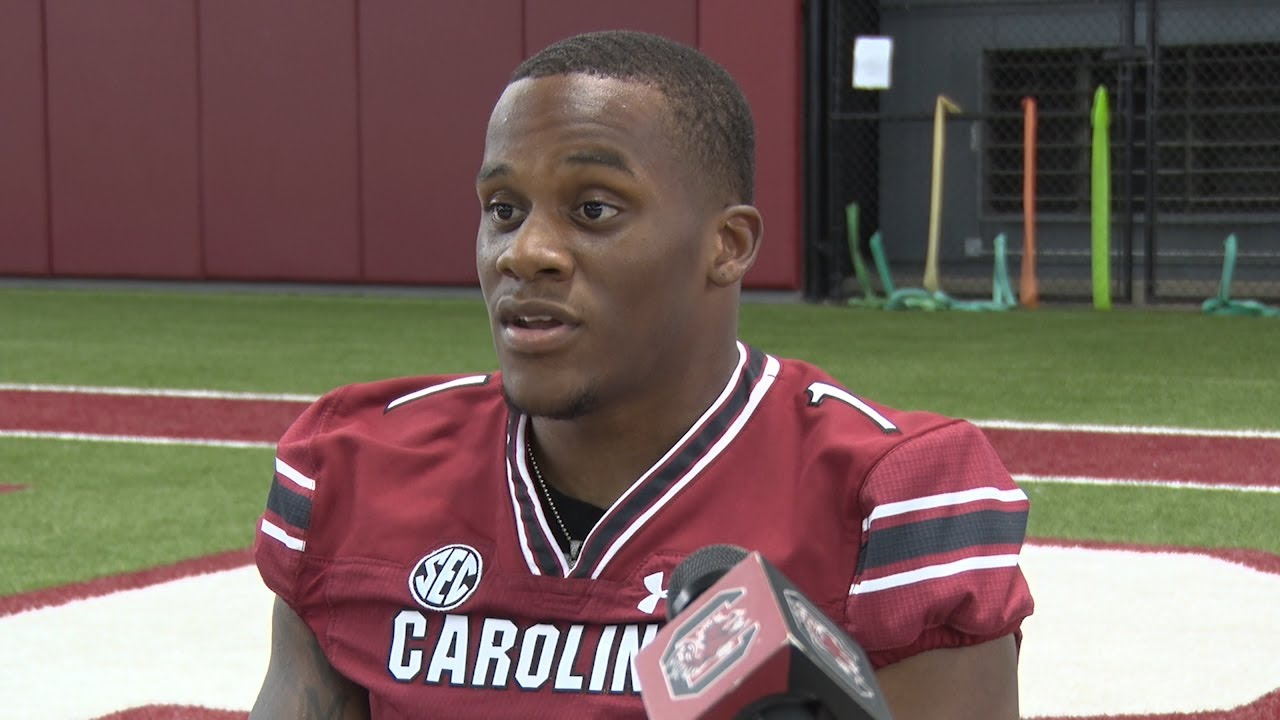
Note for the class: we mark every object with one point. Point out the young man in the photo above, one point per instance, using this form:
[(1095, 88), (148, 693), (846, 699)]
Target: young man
[(498, 544)]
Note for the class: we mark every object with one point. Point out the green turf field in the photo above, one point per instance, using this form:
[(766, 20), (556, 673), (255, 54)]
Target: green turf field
[(1132, 367), (104, 508), (96, 508)]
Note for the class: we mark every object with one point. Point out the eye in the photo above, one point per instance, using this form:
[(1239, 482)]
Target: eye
[(595, 210), (503, 213)]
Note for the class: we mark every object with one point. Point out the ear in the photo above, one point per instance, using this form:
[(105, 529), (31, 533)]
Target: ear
[(739, 230)]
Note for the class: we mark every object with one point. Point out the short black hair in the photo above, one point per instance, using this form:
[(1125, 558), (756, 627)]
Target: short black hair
[(711, 117)]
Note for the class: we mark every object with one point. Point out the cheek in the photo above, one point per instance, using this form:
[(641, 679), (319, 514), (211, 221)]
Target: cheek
[(486, 258), (654, 296)]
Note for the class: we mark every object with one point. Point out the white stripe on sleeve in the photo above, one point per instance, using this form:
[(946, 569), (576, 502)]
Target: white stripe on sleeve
[(301, 480), (943, 500), (932, 572), (276, 532)]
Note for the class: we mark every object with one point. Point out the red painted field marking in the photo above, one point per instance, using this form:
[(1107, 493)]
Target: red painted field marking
[(1168, 455), (1206, 460), (1265, 708), (8, 488), (174, 712), (171, 417), (63, 594)]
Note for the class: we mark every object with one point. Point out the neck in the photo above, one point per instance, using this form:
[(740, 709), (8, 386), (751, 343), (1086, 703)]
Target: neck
[(596, 458)]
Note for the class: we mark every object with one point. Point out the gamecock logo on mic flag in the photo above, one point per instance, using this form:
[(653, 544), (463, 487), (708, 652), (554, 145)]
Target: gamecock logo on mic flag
[(829, 642), (707, 645)]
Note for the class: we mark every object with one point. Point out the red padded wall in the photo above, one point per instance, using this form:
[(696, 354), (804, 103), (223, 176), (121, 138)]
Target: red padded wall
[(24, 232), (122, 138), (280, 140), (760, 43), (430, 73), (316, 140), (549, 20)]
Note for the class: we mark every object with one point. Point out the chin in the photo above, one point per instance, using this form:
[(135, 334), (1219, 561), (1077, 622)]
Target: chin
[(546, 402)]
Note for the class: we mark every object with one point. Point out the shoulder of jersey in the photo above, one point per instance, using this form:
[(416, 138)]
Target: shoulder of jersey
[(830, 407), (411, 398)]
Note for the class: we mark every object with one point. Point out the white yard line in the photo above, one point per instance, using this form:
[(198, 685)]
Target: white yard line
[(995, 424), (157, 392), (1127, 429), (135, 439), (1123, 482)]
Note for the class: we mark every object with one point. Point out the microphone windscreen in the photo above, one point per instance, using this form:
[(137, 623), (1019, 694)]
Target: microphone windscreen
[(699, 571)]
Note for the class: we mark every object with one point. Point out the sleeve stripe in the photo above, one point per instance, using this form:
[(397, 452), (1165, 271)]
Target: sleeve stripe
[(294, 508), (449, 385), (911, 577), (943, 500), (289, 541), (942, 535), (301, 480)]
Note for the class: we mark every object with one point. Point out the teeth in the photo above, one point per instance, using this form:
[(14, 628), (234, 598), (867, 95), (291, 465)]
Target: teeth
[(527, 320)]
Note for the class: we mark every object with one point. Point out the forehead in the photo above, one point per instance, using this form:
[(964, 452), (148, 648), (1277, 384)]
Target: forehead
[(552, 117)]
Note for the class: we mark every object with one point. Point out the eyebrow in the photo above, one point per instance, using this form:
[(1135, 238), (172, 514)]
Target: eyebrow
[(603, 158), (490, 172)]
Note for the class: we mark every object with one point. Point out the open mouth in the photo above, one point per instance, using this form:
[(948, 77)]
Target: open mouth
[(535, 322), (536, 326)]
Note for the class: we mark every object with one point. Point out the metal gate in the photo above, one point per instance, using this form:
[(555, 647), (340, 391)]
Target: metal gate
[(1192, 144)]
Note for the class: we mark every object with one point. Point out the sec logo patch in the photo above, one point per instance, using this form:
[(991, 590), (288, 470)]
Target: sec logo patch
[(444, 579)]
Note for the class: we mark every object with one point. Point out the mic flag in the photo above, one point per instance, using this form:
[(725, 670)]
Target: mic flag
[(747, 641)]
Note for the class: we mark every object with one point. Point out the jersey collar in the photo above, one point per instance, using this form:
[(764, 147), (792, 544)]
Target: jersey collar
[(684, 461)]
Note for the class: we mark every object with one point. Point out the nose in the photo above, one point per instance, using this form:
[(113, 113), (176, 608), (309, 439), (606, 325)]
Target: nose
[(536, 249)]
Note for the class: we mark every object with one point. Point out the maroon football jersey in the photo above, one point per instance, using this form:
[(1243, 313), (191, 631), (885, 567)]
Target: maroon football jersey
[(404, 527)]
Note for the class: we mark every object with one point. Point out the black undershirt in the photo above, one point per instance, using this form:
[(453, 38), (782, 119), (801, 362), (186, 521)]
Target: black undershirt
[(579, 517)]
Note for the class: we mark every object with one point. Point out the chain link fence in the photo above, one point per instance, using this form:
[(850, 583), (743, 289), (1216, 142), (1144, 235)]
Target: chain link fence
[(1192, 144)]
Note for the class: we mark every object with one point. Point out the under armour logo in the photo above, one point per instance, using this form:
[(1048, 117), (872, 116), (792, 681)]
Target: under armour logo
[(652, 583)]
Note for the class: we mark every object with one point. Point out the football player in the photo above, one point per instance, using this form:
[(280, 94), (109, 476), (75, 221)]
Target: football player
[(498, 544)]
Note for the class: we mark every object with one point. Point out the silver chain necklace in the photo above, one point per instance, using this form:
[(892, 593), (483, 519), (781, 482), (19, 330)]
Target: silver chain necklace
[(574, 545)]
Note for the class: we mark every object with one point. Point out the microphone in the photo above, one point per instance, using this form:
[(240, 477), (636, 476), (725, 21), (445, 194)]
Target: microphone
[(742, 642)]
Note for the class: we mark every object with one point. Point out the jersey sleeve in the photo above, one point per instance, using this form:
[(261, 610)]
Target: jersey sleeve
[(284, 527), (942, 528)]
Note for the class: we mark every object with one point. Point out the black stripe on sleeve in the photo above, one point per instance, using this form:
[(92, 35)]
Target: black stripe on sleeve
[(943, 535), (292, 507)]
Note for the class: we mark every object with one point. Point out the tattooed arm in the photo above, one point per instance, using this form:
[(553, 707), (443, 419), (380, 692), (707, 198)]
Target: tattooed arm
[(300, 683)]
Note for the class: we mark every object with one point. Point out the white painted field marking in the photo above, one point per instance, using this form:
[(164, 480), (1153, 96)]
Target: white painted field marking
[(1127, 429), (1126, 632), (1122, 482), (995, 424), (1115, 632), (157, 392), (135, 439), (200, 640)]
